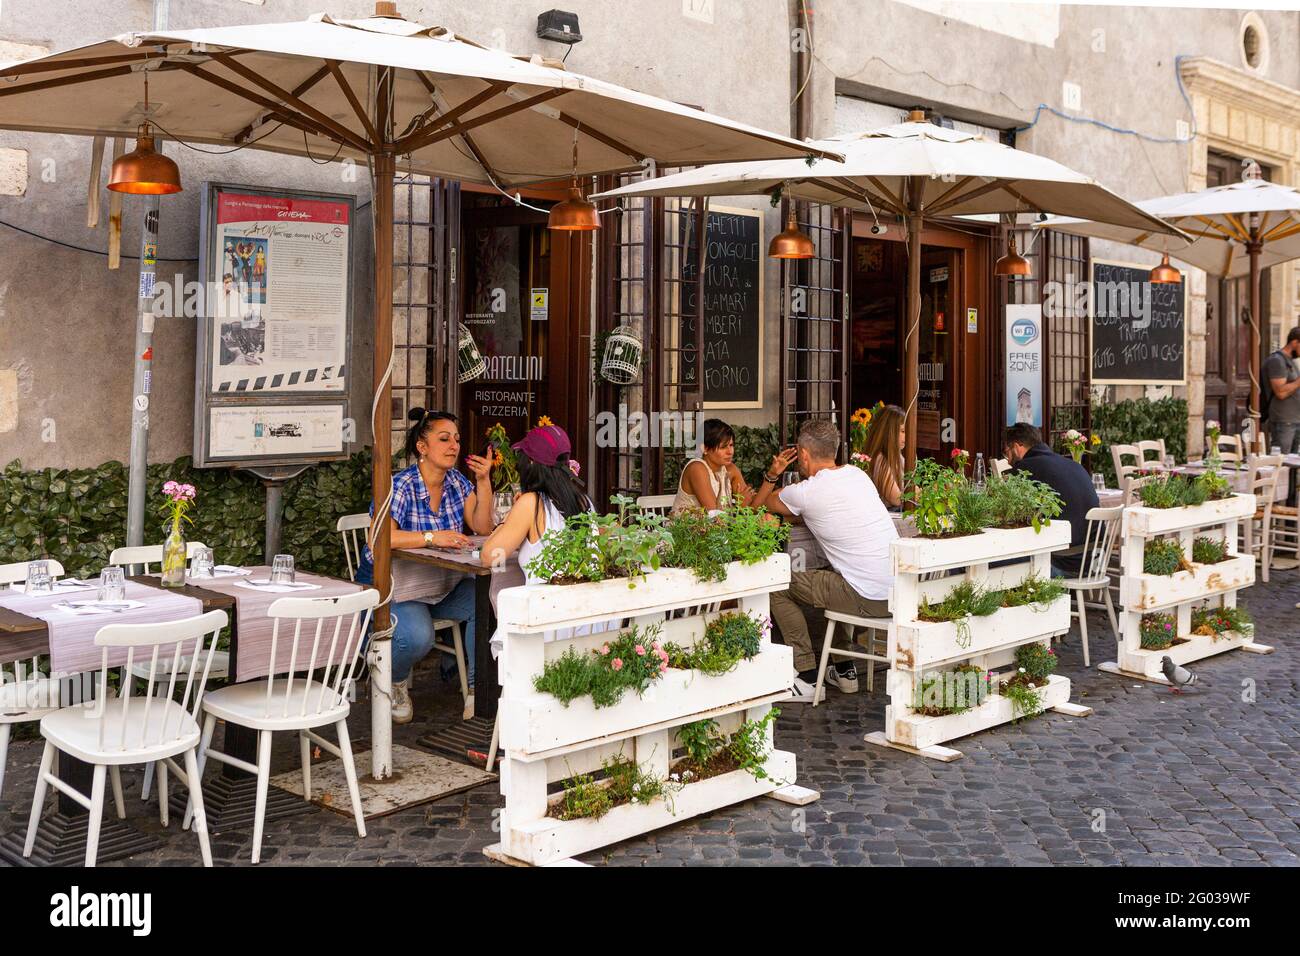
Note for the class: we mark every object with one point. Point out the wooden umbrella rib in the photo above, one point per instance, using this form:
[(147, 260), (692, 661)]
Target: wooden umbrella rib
[(885, 191), (298, 90), (341, 80), (280, 112), (41, 66), (600, 137), (958, 185), (853, 190), (341, 132), (92, 76), (938, 207), (1285, 229), (416, 140), (1237, 229)]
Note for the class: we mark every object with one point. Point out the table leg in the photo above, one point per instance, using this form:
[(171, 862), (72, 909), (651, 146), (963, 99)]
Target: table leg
[(486, 688)]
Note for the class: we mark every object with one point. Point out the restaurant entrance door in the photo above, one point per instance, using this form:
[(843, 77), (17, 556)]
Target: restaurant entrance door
[(955, 379), (524, 294)]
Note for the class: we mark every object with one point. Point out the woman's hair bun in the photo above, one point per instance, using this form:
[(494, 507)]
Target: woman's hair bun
[(415, 414)]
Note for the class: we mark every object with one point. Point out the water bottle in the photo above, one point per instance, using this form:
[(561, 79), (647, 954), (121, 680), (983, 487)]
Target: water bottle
[(979, 469)]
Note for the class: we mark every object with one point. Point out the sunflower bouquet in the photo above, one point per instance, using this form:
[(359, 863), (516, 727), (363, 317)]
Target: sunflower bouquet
[(860, 427)]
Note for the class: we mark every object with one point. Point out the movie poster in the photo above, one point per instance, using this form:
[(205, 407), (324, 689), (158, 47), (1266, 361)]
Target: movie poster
[(281, 271)]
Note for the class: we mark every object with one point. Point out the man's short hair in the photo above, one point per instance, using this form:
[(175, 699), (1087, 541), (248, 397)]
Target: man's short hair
[(820, 438), (1023, 434), (1293, 335)]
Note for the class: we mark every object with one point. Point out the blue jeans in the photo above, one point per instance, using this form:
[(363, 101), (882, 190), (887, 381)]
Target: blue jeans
[(413, 635), (1286, 435)]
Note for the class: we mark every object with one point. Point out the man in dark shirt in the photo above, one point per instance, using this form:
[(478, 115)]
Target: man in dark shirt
[(1025, 450)]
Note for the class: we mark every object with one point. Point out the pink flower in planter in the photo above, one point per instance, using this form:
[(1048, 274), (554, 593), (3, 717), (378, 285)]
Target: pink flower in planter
[(663, 666), (604, 649), (617, 663), (640, 651)]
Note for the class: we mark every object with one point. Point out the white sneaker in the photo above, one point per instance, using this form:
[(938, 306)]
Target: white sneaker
[(844, 680), (803, 692), (403, 709)]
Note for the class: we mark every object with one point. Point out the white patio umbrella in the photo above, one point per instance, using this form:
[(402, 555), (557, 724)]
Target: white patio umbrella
[(1237, 229), (915, 170), (375, 90)]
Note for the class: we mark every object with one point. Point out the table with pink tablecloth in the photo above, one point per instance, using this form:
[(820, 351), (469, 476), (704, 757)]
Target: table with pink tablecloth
[(253, 627), (1239, 479), (72, 647)]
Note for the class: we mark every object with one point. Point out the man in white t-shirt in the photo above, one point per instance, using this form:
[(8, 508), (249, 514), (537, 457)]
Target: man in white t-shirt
[(843, 510)]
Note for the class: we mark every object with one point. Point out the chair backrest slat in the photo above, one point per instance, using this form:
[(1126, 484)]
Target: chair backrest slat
[(16, 572), (351, 527), (1099, 540), (656, 504), (333, 666)]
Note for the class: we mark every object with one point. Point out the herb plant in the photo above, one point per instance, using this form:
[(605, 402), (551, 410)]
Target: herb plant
[(932, 497), (583, 797), (592, 547), (1157, 631), (952, 692), (1035, 589), (1025, 700), (1035, 662), (701, 740), (1163, 556), (1209, 550), (631, 661), (1217, 621), (748, 745), (1018, 501)]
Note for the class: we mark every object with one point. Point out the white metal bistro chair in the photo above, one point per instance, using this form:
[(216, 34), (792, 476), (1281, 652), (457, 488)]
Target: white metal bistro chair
[(298, 702), (656, 504), (873, 626), (1257, 530), (112, 731), (353, 530), (26, 692), (1094, 571), (138, 559)]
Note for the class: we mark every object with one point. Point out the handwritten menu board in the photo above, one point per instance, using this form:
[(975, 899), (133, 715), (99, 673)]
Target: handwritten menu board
[(1139, 329), (733, 306)]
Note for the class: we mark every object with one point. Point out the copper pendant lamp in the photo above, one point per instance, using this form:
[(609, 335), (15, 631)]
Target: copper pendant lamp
[(790, 243), (1165, 274), (1013, 263), (144, 171), (574, 214)]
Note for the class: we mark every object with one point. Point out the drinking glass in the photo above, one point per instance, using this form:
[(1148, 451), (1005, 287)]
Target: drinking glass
[(39, 579), (1275, 450), (789, 478), (1098, 481), (1169, 463), (201, 564), (502, 502), (112, 583), (282, 569)]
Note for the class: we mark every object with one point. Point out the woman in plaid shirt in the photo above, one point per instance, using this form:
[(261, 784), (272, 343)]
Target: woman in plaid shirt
[(432, 504)]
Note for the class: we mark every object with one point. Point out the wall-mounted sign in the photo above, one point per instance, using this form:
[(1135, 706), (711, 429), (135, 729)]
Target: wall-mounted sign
[(253, 433), (276, 267), (1024, 364), (972, 320), (540, 309), (1138, 329), (939, 275)]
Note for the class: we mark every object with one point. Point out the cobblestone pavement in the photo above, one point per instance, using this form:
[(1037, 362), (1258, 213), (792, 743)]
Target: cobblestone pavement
[(1207, 779)]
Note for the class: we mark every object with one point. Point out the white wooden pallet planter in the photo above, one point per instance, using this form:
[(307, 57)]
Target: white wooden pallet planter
[(920, 732), (1153, 592), (918, 649), (1142, 593), (922, 645), (546, 742)]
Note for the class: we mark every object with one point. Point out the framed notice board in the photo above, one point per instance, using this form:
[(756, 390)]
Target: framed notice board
[(1137, 329), (733, 306), (274, 327)]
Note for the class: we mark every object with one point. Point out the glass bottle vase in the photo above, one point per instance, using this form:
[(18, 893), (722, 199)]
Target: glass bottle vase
[(173, 559)]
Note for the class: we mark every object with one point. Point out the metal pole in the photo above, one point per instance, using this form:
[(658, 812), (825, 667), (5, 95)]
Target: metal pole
[(274, 512), (142, 380), (1253, 248), (912, 322)]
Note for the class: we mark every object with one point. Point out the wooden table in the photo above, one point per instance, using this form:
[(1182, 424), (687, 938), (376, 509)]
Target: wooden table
[(486, 582)]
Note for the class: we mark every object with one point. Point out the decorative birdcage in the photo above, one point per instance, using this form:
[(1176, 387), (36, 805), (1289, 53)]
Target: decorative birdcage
[(469, 360), (621, 362)]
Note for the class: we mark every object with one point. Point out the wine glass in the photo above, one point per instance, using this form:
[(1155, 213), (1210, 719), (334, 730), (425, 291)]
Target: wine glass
[(1098, 481), (112, 583), (282, 569)]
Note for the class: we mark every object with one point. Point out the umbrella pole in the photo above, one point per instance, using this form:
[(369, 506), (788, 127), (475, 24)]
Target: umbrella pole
[(381, 724), (912, 334), (1253, 249)]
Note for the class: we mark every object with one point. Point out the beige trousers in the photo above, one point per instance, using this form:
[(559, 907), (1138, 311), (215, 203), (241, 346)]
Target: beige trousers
[(822, 589)]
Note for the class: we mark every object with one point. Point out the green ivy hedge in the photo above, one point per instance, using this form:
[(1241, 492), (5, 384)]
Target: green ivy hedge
[(78, 516), (1134, 420)]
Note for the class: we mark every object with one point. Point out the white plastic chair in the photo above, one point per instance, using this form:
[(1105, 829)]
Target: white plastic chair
[(111, 731), (298, 702), (1094, 570), (1263, 477), (353, 529), (1122, 470), (656, 504), (141, 556), (26, 692)]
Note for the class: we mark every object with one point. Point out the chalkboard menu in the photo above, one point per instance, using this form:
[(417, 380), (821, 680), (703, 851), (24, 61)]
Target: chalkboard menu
[(1139, 328), (733, 307)]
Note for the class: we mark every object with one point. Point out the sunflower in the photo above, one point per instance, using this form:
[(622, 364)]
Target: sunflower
[(861, 417), (544, 421)]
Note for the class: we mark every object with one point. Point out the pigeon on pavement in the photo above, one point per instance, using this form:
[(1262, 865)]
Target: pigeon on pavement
[(1178, 677)]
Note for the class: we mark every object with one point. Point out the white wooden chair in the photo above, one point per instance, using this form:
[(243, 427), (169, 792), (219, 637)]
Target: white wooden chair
[(1123, 469), (874, 626), (26, 692), (1257, 531), (1131, 486), (1094, 571), (1156, 449), (656, 504), (353, 529), (298, 702), (112, 731), (137, 560), (1001, 466)]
